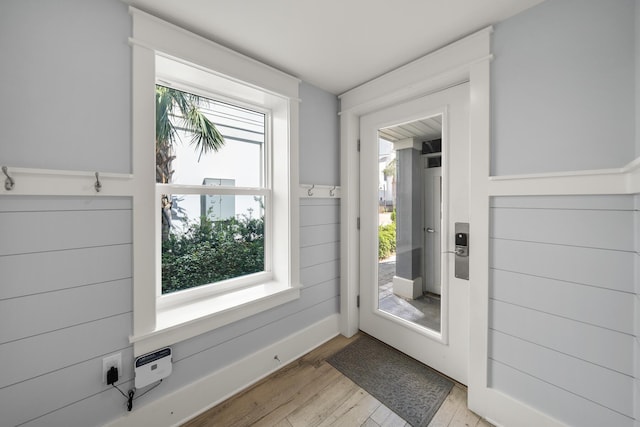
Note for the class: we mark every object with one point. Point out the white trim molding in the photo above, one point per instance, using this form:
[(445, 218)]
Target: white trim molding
[(624, 180), (435, 71), (155, 34), (183, 404), (52, 182)]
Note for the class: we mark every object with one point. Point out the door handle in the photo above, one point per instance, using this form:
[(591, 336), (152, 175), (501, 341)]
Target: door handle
[(458, 251), (430, 230)]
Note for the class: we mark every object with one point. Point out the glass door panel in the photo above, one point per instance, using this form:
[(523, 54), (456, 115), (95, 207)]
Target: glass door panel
[(410, 221)]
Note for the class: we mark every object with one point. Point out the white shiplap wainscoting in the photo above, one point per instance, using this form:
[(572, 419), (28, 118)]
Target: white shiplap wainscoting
[(70, 255), (65, 303), (563, 293)]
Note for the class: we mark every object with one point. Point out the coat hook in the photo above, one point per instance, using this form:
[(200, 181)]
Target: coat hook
[(310, 191), (98, 185), (332, 191), (9, 182)]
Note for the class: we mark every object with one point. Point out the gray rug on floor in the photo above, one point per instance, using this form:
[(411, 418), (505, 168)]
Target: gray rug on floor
[(406, 386)]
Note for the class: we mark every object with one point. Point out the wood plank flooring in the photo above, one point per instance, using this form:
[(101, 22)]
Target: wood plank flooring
[(309, 392)]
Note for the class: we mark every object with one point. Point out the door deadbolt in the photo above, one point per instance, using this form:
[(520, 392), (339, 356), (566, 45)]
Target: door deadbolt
[(462, 250)]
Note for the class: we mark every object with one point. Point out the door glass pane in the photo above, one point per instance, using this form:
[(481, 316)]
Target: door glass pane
[(409, 222)]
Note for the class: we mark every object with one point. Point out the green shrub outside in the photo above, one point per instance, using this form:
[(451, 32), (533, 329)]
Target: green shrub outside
[(211, 251), (386, 240)]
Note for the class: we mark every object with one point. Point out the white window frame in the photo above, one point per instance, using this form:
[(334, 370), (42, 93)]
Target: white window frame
[(218, 73)]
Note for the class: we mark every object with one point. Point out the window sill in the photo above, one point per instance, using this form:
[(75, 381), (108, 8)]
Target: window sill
[(178, 323)]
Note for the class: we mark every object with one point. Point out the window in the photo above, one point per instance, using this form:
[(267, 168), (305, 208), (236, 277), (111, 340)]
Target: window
[(215, 232), (218, 234)]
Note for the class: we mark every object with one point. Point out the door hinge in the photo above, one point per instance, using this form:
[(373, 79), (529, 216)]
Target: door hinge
[(358, 301), (358, 146), (358, 223)]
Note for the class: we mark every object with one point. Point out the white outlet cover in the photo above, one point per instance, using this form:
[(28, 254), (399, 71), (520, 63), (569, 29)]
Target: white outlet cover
[(108, 362)]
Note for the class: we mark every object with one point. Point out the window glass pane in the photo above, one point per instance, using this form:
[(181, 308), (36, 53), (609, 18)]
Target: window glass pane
[(211, 238), (198, 138)]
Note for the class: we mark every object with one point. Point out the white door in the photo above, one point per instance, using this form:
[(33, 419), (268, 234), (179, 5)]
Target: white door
[(443, 346)]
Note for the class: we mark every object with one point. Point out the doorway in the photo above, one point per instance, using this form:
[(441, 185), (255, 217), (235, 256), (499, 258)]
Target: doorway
[(418, 188)]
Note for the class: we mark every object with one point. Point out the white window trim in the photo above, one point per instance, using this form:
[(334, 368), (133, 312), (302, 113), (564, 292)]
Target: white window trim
[(156, 325)]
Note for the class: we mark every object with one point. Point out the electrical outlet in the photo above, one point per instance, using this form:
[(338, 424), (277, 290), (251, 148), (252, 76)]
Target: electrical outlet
[(108, 362)]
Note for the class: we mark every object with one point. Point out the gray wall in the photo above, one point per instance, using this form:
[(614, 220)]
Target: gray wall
[(66, 294), (637, 56), (319, 154), (563, 84), (65, 85), (564, 269)]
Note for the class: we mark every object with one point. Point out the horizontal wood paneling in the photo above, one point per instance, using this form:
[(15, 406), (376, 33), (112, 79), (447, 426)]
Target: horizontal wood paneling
[(319, 214), (563, 305), (70, 386), (27, 232), (65, 303), (319, 254), (320, 273), (60, 309), (585, 379), (567, 407), (589, 266), (309, 297), (319, 201), (593, 305), (319, 234), (602, 229), (27, 358), (581, 340), (90, 411), (56, 270)]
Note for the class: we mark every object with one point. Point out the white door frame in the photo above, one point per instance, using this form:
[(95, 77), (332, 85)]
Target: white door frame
[(465, 60)]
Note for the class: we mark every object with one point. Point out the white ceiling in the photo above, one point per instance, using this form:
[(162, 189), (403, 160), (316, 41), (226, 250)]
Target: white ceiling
[(334, 44)]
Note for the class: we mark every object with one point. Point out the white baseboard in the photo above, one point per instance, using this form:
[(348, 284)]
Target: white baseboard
[(183, 404)]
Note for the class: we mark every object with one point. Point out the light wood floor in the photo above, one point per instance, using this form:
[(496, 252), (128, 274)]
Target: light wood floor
[(310, 392)]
